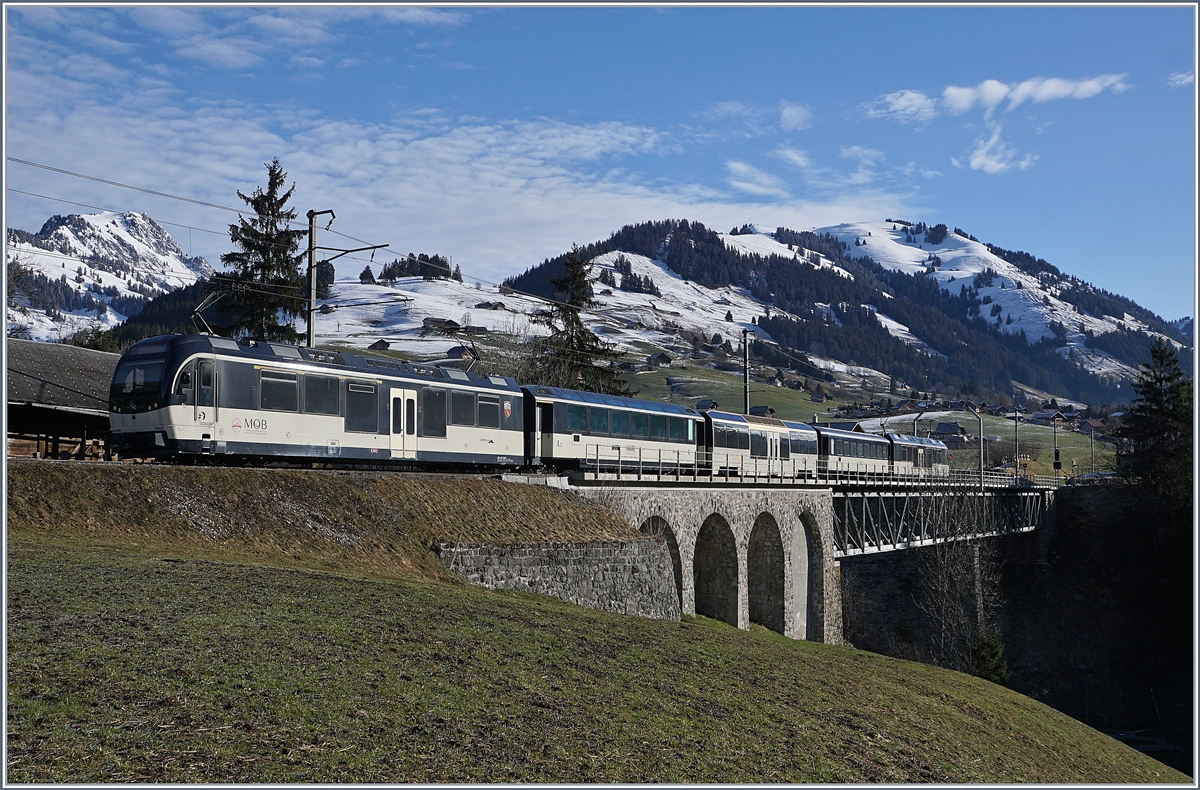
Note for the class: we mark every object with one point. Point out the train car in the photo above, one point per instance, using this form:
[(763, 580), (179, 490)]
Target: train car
[(737, 444), (201, 397), (918, 456), (849, 453), (568, 429), (802, 456)]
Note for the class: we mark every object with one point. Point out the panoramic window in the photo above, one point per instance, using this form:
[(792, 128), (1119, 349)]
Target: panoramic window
[(576, 419), (620, 423), (679, 429), (658, 426), (597, 420), (639, 425)]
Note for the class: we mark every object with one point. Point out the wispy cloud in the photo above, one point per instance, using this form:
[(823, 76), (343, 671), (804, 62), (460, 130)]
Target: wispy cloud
[(1181, 79), (749, 179), (906, 106), (795, 157), (911, 106), (793, 117), (994, 155)]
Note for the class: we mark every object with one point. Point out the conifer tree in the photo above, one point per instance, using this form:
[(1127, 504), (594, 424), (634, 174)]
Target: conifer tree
[(1158, 427), (266, 263), (576, 358)]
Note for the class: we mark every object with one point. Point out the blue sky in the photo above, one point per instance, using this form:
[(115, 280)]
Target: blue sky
[(500, 136)]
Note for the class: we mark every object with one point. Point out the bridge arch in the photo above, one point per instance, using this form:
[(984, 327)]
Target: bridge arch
[(765, 572), (715, 571), (657, 526), (808, 564)]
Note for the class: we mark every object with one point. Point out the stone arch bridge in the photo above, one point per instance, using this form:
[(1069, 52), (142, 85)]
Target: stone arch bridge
[(769, 555)]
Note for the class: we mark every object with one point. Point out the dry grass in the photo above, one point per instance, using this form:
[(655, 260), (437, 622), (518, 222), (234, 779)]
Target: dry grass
[(304, 633)]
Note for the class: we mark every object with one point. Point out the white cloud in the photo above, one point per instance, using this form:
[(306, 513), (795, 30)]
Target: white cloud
[(905, 106), (731, 109), (988, 94), (795, 157), (1042, 89), (1181, 79), (751, 180), (793, 117), (994, 156), (864, 155)]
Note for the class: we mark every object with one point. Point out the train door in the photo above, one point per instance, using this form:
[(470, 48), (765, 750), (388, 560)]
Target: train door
[(206, 401), (404, 423), (545, 430)]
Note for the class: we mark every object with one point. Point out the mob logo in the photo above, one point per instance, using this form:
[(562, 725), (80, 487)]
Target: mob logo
[(236, 424), (507, 408)]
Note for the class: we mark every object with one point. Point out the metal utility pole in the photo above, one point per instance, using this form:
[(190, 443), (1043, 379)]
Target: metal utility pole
[(1092, 436), (980, 416), (1016, 448), (312, 271), (1057, 462), (746, 371)]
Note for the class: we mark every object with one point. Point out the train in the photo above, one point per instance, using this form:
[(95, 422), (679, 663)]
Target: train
[(208, 399)]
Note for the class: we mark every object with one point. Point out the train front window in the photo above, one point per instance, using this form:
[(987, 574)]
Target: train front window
[(136, 384)]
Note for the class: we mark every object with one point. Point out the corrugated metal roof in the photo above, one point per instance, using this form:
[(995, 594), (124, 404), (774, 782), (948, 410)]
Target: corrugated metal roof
[(54, 374), (615, 401)]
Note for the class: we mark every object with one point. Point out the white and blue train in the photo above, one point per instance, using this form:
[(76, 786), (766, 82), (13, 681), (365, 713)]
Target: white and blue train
[(204, 398)]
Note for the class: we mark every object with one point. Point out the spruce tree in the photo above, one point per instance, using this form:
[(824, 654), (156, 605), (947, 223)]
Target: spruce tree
[(266, 263), (1158, 427), (577, 359)]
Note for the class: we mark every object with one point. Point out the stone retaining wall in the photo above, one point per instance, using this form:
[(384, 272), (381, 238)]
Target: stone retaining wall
[(628, 577)]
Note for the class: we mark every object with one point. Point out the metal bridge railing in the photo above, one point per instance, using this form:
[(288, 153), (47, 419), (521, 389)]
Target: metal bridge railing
[(611, 462)]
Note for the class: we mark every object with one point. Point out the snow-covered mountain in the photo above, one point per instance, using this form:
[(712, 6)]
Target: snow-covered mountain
[(98, 269), (635, 323)]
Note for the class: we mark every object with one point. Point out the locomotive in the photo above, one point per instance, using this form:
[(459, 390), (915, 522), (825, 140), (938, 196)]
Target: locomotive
[(203, 398)]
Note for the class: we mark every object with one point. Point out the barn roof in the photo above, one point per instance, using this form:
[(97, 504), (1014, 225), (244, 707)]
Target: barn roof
[(54, 374)]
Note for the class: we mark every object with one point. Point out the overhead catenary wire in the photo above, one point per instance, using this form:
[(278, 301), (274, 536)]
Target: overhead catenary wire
[(546, 300)]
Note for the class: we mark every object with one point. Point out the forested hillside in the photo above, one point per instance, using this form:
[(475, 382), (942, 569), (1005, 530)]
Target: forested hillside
[(826, 313)]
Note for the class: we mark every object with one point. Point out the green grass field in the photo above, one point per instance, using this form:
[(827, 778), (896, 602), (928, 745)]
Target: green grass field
[(145, 644)]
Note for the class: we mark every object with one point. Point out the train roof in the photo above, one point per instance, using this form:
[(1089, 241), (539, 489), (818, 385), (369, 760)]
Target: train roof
[(799, 426), (904, 438), (752, 419), (840, 434), (261, 350), (614, 401)]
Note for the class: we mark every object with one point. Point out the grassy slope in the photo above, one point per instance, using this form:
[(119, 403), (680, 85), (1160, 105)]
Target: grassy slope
[(153, 652)]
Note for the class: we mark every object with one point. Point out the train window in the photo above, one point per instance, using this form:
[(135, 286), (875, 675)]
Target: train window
[(758, 444), (576, 419), (433, 412), (362, 408), (410, 416), (719, 435), (679, 429), (462, 408), (397, 415), (322, 395), (743, 438), (184, 385), (277, 391), (639, 425), (658, 426), (597, 420), (489, 411), (620, 423)]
